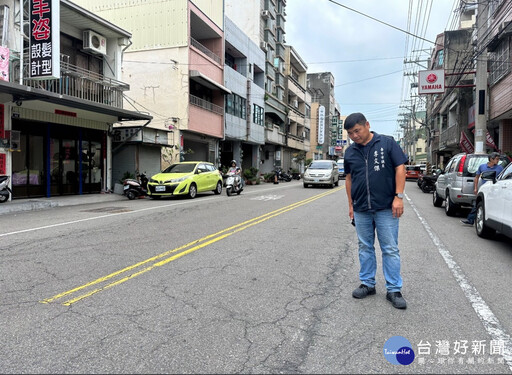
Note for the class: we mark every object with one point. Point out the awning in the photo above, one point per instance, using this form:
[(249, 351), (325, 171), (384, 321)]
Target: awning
[(22, 92), (196, 75)]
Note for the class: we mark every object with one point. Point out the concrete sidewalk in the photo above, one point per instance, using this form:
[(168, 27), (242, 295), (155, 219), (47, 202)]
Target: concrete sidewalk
[(19, 205)]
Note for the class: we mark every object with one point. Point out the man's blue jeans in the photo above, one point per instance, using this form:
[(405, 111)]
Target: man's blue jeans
[(386, 226)]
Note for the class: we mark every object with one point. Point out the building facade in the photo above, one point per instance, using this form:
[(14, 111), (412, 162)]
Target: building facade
[(60, 98), (244, 76), (176, 69)]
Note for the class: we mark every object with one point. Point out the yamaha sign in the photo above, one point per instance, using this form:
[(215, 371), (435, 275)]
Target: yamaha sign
[(431, 82)]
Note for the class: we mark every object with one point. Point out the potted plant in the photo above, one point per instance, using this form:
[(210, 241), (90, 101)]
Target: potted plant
[(250, 176)]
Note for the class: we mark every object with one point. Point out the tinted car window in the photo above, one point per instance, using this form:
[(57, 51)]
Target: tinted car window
[(321, 165), (179, 168)]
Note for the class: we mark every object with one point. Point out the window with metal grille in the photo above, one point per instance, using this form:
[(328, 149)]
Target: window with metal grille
[(499, 62)]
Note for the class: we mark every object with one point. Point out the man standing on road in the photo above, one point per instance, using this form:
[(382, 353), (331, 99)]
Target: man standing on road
[(375, 182), (491, 165)]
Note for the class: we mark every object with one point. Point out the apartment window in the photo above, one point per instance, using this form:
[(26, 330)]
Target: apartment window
[(236, 105), (440, 59), (257, 114), (499, 62)]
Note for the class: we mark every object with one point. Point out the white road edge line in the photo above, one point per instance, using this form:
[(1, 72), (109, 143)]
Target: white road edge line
[(490, 322)]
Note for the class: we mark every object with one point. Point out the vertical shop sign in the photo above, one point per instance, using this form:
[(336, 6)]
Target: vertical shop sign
[(2, 125), (2, 164), (321, 125), (44, 49), (4, 63)]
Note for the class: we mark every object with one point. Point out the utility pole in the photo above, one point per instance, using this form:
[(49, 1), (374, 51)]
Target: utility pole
[(481, 80)]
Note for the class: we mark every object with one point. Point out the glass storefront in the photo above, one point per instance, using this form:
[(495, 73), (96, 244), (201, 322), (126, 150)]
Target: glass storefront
[(56, 160)]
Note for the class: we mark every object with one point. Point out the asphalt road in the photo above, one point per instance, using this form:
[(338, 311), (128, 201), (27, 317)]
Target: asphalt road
[(256, 283)]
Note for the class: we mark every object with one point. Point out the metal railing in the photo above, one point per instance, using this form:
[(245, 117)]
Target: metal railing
[(206, 51), (209, 106), (84, 84)]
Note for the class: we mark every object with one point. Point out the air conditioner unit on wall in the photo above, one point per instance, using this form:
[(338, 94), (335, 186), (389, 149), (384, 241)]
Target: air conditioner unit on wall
[(265, 14), (264, 45), (94, 42)]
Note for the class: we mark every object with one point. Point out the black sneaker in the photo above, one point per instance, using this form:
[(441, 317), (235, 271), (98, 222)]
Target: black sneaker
[(396, 300), (362, 291), (467, 222)]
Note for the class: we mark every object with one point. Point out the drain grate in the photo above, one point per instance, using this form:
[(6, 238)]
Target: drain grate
[(109, 209)]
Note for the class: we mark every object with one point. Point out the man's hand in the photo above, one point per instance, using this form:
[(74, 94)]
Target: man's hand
[(397, 207)]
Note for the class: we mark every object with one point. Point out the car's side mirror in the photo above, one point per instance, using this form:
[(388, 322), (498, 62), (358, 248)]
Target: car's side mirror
[(489, 176)]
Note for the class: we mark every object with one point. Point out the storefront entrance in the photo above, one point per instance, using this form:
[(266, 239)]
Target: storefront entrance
[(56, 160)]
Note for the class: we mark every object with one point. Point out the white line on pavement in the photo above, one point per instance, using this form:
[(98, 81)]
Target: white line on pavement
[(490, 322)]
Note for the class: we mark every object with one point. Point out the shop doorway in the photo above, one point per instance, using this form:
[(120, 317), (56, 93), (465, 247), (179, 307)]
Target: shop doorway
[(57, 160)]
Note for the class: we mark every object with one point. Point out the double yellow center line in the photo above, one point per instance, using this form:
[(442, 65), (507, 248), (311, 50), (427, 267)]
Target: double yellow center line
[(130, 272)]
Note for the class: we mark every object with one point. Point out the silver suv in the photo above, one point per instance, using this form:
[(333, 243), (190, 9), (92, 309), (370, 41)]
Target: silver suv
[(455, 184)]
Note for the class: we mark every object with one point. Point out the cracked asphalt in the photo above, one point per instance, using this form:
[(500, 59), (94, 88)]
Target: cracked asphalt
[(253, 284)]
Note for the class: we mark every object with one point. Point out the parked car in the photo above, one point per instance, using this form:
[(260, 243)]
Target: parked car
[(341, 168), (494, 204), (321, 172), (413, 172), (186, 178), (455, 184)]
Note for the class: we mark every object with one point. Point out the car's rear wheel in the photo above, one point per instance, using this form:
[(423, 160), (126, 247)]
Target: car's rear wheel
[(218, 189), (449, 207), (482, 230), (192, 191), (305, 185), (436, 199)]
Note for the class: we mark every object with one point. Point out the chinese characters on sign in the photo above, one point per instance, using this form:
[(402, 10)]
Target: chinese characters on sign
[(44, 39), (321, 125)]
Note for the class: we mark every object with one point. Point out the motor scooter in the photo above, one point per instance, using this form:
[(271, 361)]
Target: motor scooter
[(136, 188), (428, 183), (233, 184), (5, 191)]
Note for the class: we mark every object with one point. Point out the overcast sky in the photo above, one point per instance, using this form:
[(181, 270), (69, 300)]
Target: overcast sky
[(365, 56)]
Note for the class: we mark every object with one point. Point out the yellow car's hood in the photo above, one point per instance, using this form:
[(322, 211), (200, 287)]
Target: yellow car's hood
[(162, 177)]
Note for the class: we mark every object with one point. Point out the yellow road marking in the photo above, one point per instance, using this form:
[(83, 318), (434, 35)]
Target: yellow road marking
[(191, 247)]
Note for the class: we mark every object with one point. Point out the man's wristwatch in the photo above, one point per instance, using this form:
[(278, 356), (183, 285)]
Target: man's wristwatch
[(399, 195)]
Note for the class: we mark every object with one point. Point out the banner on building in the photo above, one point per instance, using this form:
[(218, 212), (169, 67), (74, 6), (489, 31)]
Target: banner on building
[(489, 141), (44, 49), (465, 144), (431, 82), (321, 125), (4, 63)]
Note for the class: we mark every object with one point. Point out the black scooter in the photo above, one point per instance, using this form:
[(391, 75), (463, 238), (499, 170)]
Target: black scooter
[(136, 188), (428, 183)]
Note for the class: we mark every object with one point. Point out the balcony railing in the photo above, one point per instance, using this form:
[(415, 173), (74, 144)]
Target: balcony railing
[(206, 51), (83, 84), (209, 106)]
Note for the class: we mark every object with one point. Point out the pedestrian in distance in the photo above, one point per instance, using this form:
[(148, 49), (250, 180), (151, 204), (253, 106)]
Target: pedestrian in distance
[(491, 165), (375, 182)]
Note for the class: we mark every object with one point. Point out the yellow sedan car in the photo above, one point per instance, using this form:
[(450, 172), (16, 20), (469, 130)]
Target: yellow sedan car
[(186, 178)]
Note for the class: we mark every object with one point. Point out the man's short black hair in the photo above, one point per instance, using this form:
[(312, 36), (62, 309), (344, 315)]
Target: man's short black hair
[(494, 155), (354, 119)]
